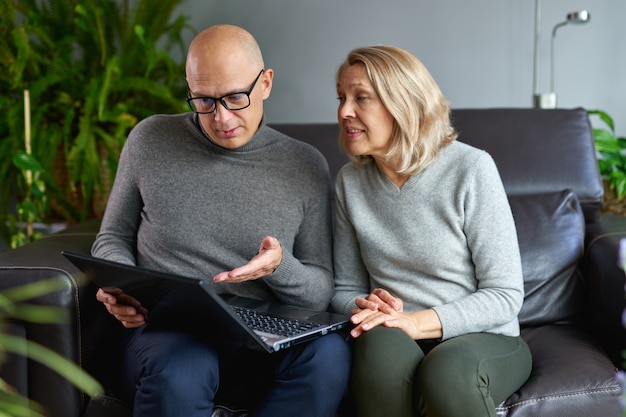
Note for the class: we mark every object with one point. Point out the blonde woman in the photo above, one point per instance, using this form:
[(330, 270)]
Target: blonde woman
[(426, 255)]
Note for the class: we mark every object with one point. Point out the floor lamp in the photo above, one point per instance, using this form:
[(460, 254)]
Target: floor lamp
[(548, 100)]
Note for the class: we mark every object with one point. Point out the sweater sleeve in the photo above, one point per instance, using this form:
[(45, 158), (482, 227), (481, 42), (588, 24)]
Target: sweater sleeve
[(492, 241), (351, 276), (305, 275), (116, 240)]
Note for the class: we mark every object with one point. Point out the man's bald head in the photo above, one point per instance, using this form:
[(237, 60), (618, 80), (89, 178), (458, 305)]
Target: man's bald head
[(224, 44), (226, 60)]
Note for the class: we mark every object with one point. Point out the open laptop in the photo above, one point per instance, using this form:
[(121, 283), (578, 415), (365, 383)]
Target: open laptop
[(243, 320)]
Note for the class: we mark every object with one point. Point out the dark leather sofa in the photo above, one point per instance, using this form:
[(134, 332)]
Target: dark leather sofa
[(571, 317)]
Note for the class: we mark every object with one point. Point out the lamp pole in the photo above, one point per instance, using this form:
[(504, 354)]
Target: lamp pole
[(548, 100), (536, 94), (540, 100)]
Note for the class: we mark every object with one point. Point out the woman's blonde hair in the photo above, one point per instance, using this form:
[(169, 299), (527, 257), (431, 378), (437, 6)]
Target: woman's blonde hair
[(422, 114)]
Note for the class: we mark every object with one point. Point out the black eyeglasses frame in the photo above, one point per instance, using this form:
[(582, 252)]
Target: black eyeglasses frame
[(221, 100)]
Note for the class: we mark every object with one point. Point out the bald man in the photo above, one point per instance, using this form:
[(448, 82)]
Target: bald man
[(217, 193)]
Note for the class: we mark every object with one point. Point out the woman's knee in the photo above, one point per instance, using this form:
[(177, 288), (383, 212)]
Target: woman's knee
[(447, 384), (385, 361), (469, 375), (385, 351)]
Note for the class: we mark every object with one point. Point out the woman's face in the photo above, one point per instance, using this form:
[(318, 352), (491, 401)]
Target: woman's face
[(365, 124)]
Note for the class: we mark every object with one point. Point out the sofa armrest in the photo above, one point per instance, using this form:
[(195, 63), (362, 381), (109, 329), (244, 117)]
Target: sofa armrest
[(80, 338), (605, 283)]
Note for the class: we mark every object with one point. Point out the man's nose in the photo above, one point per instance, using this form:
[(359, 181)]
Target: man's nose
[(221, 112)]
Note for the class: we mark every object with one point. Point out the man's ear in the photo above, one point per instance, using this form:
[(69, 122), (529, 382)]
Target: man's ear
[(266, 81)]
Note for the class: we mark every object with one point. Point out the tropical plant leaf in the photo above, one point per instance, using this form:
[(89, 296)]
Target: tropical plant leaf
[(12, 306), (27, 162), (14, 405), (604, 116), (64, 367)]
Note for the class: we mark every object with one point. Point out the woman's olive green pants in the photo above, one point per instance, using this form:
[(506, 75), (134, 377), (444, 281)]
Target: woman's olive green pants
[(464, 376)]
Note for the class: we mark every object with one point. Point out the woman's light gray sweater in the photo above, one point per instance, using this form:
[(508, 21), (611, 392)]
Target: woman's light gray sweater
[(445, 240), (181, 203)]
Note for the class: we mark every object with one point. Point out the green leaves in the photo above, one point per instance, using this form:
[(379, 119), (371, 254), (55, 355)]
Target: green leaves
[(52, 360), (13, 405), (32, 207), (27, 162), (611, 153), (94, 69), (13, 306)]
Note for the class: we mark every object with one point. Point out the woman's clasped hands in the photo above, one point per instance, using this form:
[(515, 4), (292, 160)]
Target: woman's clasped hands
[(382, 308)]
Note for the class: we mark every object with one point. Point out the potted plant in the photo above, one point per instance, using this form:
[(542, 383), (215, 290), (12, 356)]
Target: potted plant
[(94, 68), (611, 151)]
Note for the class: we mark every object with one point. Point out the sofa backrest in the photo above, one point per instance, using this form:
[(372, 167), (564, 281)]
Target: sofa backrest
[(324, 136), (536, 151)]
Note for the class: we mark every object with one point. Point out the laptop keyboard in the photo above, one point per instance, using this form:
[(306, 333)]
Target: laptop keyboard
[(273, 324)]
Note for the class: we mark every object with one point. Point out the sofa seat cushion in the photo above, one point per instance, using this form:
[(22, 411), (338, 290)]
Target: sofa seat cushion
[(551, 232), (571, 377)]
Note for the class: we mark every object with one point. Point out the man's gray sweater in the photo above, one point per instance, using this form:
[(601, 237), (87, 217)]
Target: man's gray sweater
[(182, 204)]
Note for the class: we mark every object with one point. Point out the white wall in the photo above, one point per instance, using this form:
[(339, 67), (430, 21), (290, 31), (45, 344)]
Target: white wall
[(479, 51)]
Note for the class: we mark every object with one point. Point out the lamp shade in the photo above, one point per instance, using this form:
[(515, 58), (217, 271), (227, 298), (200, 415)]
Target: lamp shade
[(581, 16)]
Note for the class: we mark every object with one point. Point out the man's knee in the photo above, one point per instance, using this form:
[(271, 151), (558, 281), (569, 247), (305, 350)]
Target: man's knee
[(330, 358), (327, 359), (180, 366)]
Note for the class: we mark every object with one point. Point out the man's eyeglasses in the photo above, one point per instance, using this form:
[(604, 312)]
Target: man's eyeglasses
[(232, 101)]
